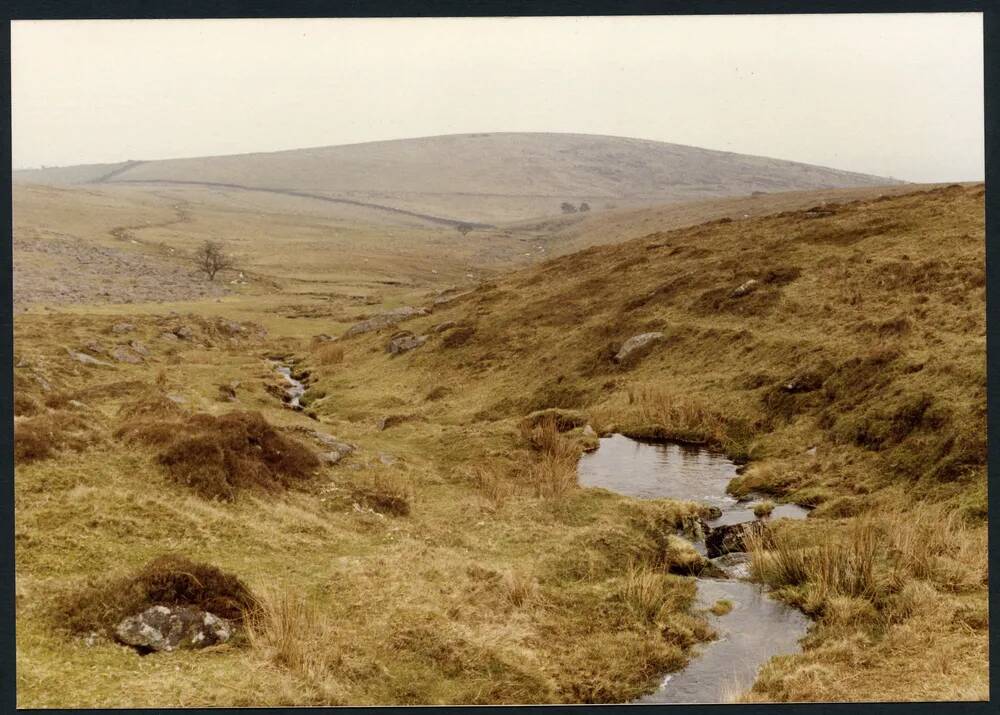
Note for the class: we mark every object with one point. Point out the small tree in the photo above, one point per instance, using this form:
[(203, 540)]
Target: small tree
[(568, 208), (211, 258), (585, 206)]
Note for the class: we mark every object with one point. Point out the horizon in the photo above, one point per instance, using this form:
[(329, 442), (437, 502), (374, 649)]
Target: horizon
[(897, 96), (432, 136)]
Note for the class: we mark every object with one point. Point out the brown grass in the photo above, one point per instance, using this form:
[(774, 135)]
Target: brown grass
[(552, 473), (218, 456), (290, 633), (329, 354), (44, 435)]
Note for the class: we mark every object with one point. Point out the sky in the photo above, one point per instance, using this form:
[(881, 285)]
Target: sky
[(893, 95)]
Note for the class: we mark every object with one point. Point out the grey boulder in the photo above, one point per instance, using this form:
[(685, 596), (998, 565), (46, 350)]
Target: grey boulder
[(167, 628), (637, 347)]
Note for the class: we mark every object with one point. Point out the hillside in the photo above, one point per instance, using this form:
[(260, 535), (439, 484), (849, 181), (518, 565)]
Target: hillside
[(451, 557), (480, 178)]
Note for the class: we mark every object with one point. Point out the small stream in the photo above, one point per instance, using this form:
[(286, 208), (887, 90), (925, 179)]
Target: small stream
[(295, 388), (758, 627)]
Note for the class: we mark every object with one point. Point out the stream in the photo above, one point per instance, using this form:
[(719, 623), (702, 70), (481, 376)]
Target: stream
[(758, 627), (295, 388)]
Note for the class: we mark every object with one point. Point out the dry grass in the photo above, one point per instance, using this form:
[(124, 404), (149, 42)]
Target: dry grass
[(329, 354), (292, 634), (763, 509), (47, 433), (552, 473)]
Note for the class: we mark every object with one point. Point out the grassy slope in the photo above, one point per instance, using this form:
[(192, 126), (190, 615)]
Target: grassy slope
[(487, 593)]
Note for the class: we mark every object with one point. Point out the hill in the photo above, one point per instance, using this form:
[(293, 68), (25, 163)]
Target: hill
[(480, 178), (451, 557)]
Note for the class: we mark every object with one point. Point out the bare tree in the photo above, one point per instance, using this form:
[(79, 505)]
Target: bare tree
[(211, 258)]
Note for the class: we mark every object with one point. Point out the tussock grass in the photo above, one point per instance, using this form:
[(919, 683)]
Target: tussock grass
[(552, 473), (290, 633), (329, 354)]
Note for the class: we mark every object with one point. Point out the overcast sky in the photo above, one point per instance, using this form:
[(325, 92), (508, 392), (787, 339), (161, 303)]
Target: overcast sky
[(894, 95)]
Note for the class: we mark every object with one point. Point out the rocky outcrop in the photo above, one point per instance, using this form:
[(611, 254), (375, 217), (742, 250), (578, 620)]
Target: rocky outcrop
[(731, 538), (637, 347), (404, 342), (384, 320), (167, 628)]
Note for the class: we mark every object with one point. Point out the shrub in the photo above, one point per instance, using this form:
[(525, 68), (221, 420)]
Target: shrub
[(169, 580), (219, 456)]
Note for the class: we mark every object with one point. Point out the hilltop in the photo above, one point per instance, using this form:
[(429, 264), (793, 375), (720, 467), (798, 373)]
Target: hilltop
[(482, 179)]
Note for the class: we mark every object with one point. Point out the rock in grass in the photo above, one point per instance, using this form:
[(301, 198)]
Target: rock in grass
[(745, 288), (384, 320), (637, 347), (123, 354), (87, 359), (120, 328), (167, 628), (732, 538), (404, 342)]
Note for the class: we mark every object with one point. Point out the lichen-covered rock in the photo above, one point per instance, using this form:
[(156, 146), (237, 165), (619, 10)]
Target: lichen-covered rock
[(637, 347), (384, 320), (167, 628)]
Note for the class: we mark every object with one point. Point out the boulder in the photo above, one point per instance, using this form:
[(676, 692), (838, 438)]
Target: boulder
[(123, 354), (637, 347), (384, 320), (121, 328), (168, 336), (732, 537), (167, 628), (404, 342), (87, 359), (745, 288), (446, 325), (139, 347), (184, 332)]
